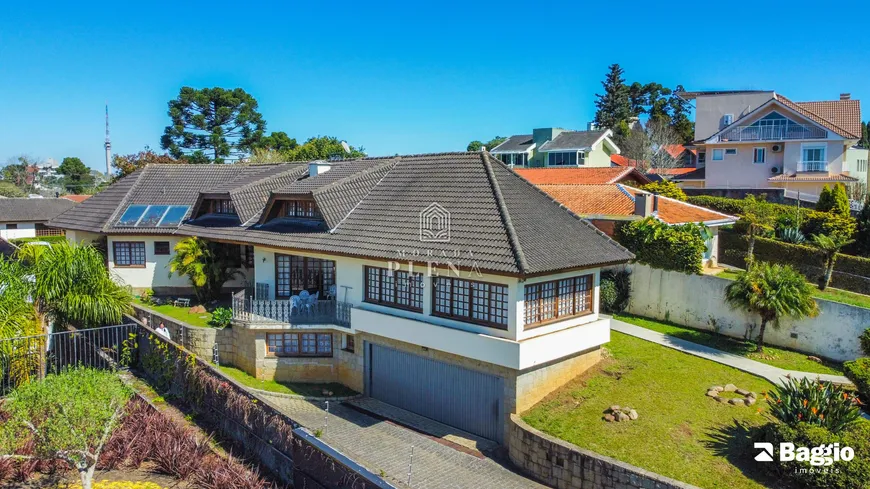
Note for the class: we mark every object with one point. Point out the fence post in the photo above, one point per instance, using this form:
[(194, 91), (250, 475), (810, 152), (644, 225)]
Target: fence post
[(215, 354)]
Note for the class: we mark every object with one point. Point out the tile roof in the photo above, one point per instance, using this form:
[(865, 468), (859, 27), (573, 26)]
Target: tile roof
[(514, 144), (812, 177), (93, 214), (621, 160), (499, 222), (572, 140), (76, 198), (32, 210), (688, 173), (539, 176), (845, 115), (616, 202)]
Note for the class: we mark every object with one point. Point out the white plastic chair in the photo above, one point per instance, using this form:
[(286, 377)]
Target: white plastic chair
[(330, 294), (312, 302), (295, 303)]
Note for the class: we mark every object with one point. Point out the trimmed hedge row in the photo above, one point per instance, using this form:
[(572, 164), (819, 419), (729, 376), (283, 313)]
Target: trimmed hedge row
[(850, 272), (735, 206)]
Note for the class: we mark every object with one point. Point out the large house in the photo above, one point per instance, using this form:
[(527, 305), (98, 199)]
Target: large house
[(549, 147), (444, 284), (627, 175), (27, 218), (761, 139)]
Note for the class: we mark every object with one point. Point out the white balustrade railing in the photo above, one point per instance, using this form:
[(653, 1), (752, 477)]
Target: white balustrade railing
[(248, 309)]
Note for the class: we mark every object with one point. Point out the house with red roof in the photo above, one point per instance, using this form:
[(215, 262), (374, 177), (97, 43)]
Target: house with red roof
[(614, 174), (762, 139)]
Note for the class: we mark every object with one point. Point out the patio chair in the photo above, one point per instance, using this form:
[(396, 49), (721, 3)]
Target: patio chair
[(295, 303), (311, 305), (182, 302), (330, 294)]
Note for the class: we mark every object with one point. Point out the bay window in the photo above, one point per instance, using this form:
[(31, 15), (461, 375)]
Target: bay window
[(557, 299), (566, 158), (471, 301)]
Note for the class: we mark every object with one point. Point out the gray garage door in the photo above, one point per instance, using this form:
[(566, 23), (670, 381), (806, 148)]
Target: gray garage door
[(456, 396)]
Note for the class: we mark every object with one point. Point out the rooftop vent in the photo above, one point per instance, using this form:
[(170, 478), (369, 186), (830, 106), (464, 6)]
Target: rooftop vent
[(845, 96), (317, 167), (591, 126)]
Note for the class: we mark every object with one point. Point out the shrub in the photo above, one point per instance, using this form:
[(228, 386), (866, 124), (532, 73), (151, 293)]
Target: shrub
[(665, 188), (829, 224), (221, 317), (811, 402), (792, 235), (220, 473), (864, 339), (615, 290), (46, 239), (858, 372), (679, 248), (147, 296), (834, 200), (853, 474)]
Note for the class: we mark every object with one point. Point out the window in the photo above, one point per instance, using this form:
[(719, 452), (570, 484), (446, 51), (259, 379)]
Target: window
[(813, 158), (514, 159), (727, 119), (248, 256), (173, 216), (730, 151), (702, 157), (348, 343), (294, 274), (129, 253), (758, 155), (222, 206), (467, 300), (131, 215), (152, 216), (558, 299), (394, 288), (161, 247), (11, 226), (718, 154), (299, 208), (299, 344), (562, 158)]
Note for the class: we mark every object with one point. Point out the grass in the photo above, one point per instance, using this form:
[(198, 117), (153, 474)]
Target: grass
[(777, 357), (680, 433), (829, 294), (295, 388), (180, 313)]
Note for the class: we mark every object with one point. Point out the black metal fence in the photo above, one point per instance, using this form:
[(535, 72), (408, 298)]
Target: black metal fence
[(32, 357)]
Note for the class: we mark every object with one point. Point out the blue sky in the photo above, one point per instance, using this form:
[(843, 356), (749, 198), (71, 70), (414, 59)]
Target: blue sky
[(404, 77)]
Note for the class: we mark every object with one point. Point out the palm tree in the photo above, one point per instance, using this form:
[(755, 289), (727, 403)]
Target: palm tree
[(772, 292), (758, 216), (206, 264), (829, 246), (17, 319)]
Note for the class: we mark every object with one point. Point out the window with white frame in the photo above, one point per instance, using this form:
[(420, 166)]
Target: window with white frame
[(718, 154), (514, 159), (565, 158), (758, 155), (813, 158)]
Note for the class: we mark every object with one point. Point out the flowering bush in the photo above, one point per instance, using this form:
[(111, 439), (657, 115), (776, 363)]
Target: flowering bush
[(811, 402)]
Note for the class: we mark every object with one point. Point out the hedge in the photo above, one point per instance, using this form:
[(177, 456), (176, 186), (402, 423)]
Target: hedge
[(654, 243), (858, 372), (735, 206), (850, 272)]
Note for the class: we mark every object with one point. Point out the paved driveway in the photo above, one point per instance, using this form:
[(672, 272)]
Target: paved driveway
[(384, 447)]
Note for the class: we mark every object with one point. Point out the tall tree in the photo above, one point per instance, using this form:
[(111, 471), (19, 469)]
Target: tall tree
[(127, 164), (772, 292), (77, 177), (863, 234), (492, 143), (758, 216), (865, 135), (217, 122), (680, 109), (614, 105), (829, 246), (278, 141), (835, 200), (21, 172)]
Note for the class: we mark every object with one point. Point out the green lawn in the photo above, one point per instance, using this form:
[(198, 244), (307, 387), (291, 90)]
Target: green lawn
[(297, 388), (778, 357), (680, 433), (179, 313), (829, 294)]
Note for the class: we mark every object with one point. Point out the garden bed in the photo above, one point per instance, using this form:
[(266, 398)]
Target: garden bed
[(775, 356), (680, 432), (180, 313)]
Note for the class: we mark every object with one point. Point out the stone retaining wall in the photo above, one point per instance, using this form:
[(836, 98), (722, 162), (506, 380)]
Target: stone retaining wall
[(198, 340), (558, 463)]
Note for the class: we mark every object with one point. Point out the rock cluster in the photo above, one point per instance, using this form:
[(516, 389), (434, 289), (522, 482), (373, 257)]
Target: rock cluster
[(749, 398), (617, 413)]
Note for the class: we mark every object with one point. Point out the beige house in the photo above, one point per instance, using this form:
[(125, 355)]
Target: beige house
[(559, 148), (760, 139)]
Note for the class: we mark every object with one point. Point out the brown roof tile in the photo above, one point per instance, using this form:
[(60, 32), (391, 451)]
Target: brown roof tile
[(846, 117), (539, 176), (812, 177)]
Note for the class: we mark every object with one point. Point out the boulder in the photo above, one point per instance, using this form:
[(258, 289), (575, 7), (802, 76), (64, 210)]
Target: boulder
[(609, 418), (197, 310), (750, 400), (814, 359), (742, 392), (721, 399), (712, 393), (615, 408), (717, 388), (730, 388), (632, 414), (737, 401), (621, 416)]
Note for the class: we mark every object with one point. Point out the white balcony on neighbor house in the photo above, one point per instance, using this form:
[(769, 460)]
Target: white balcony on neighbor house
[(812, 166), (781, 132), (248, 309)]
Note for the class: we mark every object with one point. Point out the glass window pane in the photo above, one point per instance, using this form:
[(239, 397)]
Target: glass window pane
[(132, 215), (173, 216), (152, 216)]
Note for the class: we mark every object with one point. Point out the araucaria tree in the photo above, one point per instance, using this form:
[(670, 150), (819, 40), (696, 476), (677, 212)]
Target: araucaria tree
[(213, 122), (773, 292), (613, 106), (68, 416), (208, 266)]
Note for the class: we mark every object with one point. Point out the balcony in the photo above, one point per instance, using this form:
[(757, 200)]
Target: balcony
[(812, 166), (772, 133), (248, 310)]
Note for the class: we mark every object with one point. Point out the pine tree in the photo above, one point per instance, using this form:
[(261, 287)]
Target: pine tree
[(614, 105), (680, 121), (834, 200)]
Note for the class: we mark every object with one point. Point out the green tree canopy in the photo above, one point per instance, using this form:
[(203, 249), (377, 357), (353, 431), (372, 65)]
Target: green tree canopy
[(835, 200), (278, 141), (492, 143), (772, 292), (8, 189), (214, 122), (77, 177), (665, 188), (863, 236), (614, 105), (127, 164)]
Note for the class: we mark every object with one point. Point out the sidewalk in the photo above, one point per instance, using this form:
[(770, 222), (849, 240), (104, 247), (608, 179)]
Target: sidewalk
[(771, 373)]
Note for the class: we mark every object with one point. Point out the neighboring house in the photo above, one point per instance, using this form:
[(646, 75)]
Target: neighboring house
[(628, 176), (27, 218), (548, 147), (448, 285), (78, 199), (761, 139), (608, 205), (684, 177), (855, 164), (688, 174)]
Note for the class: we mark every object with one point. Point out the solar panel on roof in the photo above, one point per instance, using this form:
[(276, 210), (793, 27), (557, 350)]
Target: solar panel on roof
[(131, 215), (152, 216), (173, 216)]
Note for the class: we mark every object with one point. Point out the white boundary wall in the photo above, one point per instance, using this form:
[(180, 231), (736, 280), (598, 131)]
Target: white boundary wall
[(698, 301)]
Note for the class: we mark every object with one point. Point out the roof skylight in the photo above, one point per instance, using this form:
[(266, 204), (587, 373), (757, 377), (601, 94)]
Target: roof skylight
[(131, 215), (173, 216), (149, 216)]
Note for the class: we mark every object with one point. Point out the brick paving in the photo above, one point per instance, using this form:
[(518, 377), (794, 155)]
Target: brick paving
[(384, 447)]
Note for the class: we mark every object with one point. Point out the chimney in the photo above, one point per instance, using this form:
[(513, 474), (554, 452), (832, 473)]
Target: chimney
[(645, 204), (845, 96), (317, 167), (483, 149), (591, 126)]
